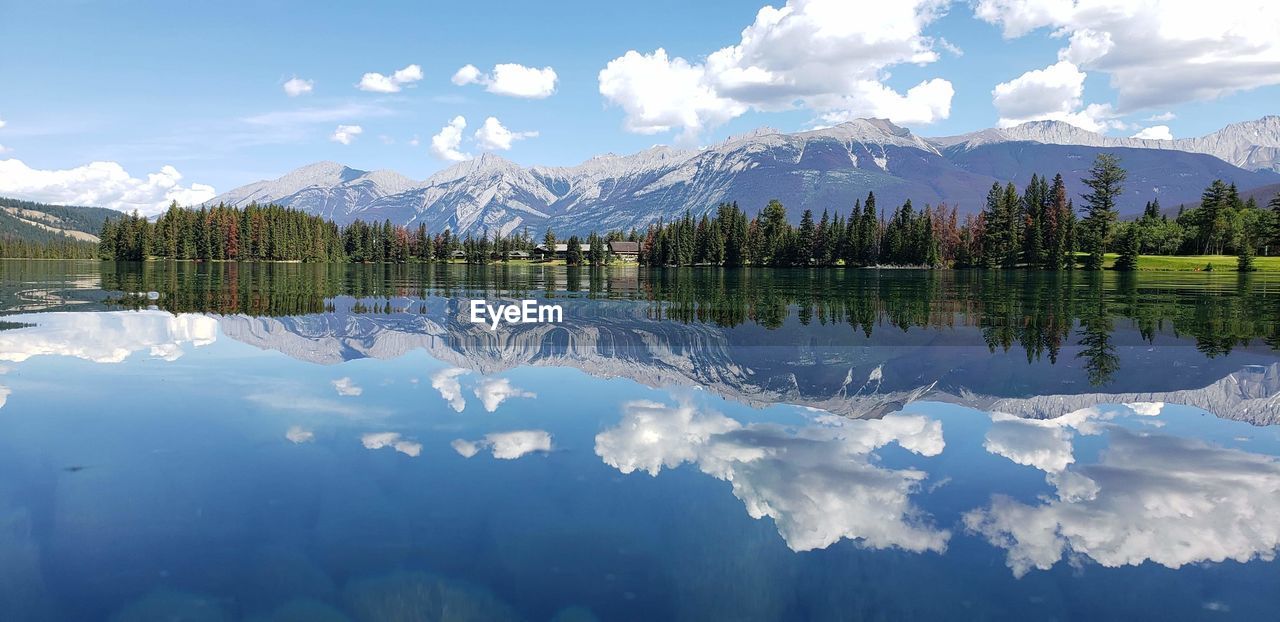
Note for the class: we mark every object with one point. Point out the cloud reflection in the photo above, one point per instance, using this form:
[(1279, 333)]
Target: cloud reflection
[(446, 382), (494, 391), (1151, 497), (506, 445), (819, 483), (379, 440), (107, 337)]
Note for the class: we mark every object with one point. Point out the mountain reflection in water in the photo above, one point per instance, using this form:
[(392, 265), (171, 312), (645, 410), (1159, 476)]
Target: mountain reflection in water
[(276, 442)]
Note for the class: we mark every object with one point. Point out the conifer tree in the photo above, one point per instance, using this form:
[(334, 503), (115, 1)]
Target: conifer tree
[(1105, 184)]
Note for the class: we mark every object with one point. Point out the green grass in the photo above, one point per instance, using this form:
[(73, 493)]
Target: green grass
[(1195, 263)]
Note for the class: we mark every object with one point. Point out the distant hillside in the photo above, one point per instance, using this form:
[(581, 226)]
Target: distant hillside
[(1262, 195), (39, 222)]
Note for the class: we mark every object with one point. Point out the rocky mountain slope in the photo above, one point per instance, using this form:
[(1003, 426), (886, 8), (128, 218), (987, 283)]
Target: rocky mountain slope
[(821, 169)]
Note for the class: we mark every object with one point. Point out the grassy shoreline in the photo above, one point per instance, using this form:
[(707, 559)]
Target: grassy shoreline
[(1146, 263)]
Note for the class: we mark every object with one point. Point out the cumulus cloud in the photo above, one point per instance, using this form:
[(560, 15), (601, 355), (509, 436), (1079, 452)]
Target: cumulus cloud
[(1150, 497), (1155, 132), (819, 483), (510, 79), (296, 86), (1156, 52), (108, 337), (1054, 93), (379, 440), (378, 83), (506, 445), (446, 382), (828, 56), (346, 133), (298, 435), (102, 184), (445, 144), (347, 387), (1162, 117), (494, 391), (494, 136)]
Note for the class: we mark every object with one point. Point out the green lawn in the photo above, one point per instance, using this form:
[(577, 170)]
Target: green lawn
[(1193, 263)]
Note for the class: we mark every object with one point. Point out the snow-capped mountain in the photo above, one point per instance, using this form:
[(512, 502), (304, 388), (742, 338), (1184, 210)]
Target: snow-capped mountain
[(326, 189), (1252, 145), (824, 169)]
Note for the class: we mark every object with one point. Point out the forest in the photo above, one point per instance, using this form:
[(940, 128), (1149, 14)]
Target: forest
[(1039, 226)]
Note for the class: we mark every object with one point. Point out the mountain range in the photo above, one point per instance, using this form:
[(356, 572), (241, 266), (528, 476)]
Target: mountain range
[(820, 169)]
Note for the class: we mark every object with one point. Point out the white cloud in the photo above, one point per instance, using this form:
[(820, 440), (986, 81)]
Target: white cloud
[(347, 387), (346, 133), (1156, 52), (379, 83), (102, 184), (444, 145), (510, 79), (2, 124), (506, 445), (314, 115), (828, 56), (1150, 497), (1155, 132), (414, 142), (4, 149), (298, 435), (379, 440), (1055, 92), (467, 74), (296, 86), (1162, 117), (494, 391), (446, 382), (819, 483), (5, 392), (493, 136)]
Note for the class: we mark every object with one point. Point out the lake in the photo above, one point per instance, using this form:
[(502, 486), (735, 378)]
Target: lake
[(302, 442)]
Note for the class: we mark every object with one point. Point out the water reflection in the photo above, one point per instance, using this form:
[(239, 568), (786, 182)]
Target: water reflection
[(819, 483), (1149, 497), (340, 443)]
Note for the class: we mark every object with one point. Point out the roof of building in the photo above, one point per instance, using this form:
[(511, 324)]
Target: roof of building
[(624, 247), (560, 248)]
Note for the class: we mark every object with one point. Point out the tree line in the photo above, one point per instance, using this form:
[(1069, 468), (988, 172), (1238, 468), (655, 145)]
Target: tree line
[(1039, 226)]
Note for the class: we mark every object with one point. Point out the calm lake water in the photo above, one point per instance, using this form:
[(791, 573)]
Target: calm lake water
[(290, 442)]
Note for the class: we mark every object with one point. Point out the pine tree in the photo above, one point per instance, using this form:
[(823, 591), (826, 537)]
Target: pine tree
[(805, 239), (1105, 182), (1128, 259), (573, 252), (868, 233), (1244, 259)]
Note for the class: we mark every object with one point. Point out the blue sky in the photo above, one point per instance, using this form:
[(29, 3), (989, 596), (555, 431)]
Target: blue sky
[(198, 86)]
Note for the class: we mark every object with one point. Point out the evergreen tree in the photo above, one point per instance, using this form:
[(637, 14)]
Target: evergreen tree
[(805, 239), (573, 253), (1244, 259), (869, 233), (1128, 259), (1105, 183), (596, 254)]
